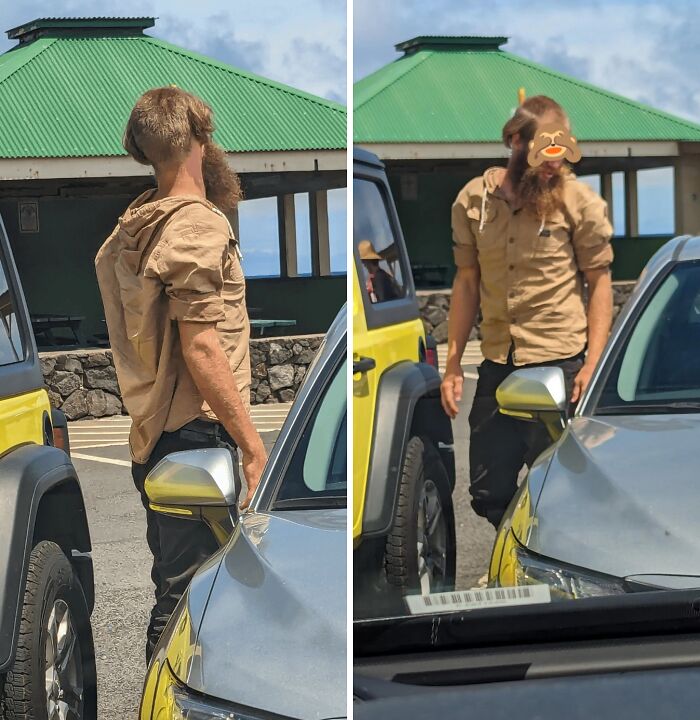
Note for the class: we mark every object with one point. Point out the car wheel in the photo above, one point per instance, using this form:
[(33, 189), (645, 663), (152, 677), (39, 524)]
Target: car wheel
[(421, 547), (53, 675)]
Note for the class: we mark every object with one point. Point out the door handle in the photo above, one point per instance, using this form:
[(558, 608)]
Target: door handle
[(363, 365)]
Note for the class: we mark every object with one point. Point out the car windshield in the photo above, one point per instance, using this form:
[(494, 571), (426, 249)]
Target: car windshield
[(657, 368)]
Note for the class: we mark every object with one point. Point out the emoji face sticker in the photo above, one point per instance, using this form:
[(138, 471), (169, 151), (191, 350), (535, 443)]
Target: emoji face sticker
[(552, 142)]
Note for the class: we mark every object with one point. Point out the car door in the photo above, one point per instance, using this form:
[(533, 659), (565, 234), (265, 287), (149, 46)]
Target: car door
[(386, 323)]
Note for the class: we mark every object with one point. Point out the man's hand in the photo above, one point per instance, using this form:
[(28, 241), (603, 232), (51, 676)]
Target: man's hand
[(581, 381), (451, 390), (253, 464)]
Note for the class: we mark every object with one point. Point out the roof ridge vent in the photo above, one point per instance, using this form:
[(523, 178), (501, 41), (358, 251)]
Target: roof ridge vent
[(452, 43), (80, 27)]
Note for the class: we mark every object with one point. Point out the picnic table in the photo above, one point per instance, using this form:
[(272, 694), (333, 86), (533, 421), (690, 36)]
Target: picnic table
[(263, 325), (44, 324)]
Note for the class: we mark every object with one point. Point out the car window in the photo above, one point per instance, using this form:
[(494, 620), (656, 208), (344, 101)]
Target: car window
[(379, 257), (318, 468), (11, 346), (658, 363)]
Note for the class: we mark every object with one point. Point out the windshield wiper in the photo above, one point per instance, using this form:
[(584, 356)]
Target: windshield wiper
[(642, 408)]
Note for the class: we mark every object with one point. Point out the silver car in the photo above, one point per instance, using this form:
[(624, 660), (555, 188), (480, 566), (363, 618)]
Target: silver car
[(612, 506), (261, 631)]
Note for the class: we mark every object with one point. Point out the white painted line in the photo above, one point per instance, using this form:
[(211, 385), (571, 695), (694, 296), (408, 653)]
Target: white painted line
[(106, 461), (76, 433), (85, 444)]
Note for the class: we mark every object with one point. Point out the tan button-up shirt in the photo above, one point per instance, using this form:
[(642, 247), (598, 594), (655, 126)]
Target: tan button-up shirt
[(170, 260), (531, 270)]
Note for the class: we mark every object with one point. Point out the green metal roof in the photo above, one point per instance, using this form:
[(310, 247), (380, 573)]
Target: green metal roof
[(463, 89), (68, 96)]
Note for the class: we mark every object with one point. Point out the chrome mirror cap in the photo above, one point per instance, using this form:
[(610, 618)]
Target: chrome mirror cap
[(204, 477), (533, 390)]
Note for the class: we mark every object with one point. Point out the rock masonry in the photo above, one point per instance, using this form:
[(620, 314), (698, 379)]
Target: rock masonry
[(83, 383)]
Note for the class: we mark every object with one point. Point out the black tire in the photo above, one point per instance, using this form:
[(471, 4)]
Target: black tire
[(51, 587), (422, 471)]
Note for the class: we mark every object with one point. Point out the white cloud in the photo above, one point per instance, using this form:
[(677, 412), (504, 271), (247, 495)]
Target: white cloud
[(643, 49), (303, 46)]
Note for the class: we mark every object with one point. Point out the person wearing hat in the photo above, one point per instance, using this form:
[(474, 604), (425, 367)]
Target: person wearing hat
[(380, 285)]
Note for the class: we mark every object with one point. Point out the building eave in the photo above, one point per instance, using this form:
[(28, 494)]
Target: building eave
[(466, 151), (123, 166)]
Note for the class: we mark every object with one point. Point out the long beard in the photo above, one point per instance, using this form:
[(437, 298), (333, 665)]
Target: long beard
[(222, 184), (540, 197)]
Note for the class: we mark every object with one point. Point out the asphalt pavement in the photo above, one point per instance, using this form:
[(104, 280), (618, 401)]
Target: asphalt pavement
[(123, 588), (475, 535)]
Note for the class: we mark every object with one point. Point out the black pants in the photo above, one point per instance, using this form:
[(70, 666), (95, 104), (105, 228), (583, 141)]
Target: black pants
[(499, 445), (179, 546)]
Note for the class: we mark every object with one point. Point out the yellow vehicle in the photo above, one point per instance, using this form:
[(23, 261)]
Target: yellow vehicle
[(404, 471), (47, 659)]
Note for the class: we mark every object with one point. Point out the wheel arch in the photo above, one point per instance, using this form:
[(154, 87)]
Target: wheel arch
[(408, 403), (41, 499)]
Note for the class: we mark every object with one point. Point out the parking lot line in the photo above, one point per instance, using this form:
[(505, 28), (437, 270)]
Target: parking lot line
[(95, 458), (114, 431)]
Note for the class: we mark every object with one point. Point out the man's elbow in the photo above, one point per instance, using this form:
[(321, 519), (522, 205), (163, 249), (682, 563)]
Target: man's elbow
[(467, 280), (197, 340)]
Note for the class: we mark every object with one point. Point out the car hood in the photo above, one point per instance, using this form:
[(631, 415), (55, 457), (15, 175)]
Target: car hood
[(274, 632), (621, 497)]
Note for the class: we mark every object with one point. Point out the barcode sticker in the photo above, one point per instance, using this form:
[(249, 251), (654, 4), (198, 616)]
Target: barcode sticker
[(477, 598)]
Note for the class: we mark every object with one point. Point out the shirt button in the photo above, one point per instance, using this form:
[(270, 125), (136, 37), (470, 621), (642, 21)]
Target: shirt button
[(514, 321), (511, 267), (511, 240), (511, 294)]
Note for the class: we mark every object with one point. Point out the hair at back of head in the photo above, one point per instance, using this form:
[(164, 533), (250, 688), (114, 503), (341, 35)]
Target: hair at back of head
[(163, 124), (526, 117)]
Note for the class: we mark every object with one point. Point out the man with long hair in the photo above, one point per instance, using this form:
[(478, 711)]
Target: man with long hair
[(524, 238), (174, 299)]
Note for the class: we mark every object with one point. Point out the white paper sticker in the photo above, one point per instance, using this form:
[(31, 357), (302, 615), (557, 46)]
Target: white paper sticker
[(477, 598)]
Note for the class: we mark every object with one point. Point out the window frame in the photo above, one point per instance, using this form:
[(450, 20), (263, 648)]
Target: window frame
[(392, 312), (589, 407), (298, 420), (24, 376)]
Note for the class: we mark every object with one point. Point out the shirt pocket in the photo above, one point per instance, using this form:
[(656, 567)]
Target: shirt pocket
[(553, 240), (491, 239)]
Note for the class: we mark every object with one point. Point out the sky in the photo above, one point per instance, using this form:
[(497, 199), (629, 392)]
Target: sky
[(304, 48), (646, 50)]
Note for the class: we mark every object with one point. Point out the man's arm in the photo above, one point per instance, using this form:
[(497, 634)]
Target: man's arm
[(600, 304), (212, 374), (464, 305)]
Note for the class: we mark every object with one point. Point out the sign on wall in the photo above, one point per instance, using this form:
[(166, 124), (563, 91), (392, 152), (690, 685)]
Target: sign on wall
[(28, 216)]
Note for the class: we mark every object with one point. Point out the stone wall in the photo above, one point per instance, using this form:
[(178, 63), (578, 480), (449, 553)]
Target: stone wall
[(435, 306), (83, 383)]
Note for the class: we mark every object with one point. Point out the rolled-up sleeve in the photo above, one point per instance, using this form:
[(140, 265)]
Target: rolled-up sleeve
[(190, 265), (592, 233), (463, 240)]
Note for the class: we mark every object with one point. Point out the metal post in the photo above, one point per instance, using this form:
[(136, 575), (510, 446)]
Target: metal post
[(606, 187), (320, 239), (631, 204), (286, 219)]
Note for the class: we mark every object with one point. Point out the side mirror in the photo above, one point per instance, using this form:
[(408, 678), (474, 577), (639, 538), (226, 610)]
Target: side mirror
[(199, 485), (535, 394)]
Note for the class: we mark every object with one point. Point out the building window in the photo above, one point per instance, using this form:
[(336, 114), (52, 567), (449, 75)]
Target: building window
[(338, 229), (259, 237), (303, 233), (655, 190)]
